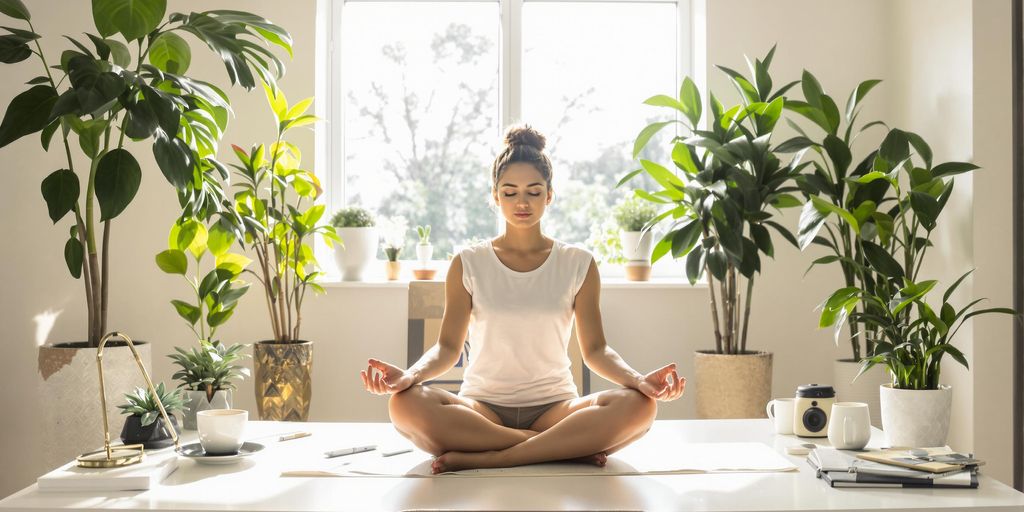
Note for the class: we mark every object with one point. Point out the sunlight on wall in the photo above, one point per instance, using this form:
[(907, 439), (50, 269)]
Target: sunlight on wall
[(44, 324)]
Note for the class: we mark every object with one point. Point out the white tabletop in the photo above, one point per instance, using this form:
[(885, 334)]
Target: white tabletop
[(256, 484)]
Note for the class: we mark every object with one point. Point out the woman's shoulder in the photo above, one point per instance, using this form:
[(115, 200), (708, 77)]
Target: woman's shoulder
[(575, 252)]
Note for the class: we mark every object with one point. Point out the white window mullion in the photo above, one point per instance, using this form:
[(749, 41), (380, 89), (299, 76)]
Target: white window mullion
[(512, 61)]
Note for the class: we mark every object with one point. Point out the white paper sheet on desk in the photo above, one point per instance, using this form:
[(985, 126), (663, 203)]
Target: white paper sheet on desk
[(637, 459)]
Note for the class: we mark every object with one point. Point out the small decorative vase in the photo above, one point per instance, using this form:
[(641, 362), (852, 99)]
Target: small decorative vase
[(197, 402), (424, 252), (284, 380), (637, 250), (916, 418), (152, 436), (394, 269), (358, 248)]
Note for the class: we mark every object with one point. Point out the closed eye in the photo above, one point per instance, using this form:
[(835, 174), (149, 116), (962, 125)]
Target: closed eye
[(534, 194)]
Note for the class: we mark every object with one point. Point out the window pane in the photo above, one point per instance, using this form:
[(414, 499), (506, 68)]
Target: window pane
[(587, 68), (421, 114)]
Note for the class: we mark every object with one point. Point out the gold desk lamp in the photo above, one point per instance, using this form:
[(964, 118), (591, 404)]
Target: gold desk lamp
[(122, 455)]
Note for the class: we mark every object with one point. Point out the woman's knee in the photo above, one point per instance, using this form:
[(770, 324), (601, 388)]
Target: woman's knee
[(640, 405), (407, 404)]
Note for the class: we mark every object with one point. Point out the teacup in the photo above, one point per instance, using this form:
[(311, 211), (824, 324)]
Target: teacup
[(221, 430), (850, 425), (780, 411)]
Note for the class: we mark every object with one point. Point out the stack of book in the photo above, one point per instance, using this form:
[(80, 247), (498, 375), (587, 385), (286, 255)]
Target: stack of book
[(940, 467)]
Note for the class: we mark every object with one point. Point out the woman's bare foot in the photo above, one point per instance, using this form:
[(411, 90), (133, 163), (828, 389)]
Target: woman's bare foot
[(455, 461)]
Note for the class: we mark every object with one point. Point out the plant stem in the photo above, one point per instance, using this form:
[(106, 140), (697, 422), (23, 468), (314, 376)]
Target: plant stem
[(746, 314), (105, 281), (714, 307), (87, 277)]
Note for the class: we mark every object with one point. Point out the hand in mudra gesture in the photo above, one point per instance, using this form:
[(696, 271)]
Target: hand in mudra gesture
[(388, 379), (663, 384)]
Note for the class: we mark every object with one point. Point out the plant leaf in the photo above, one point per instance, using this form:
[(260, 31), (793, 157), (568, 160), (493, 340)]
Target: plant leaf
[(117, 180), (132, 18), (60, 190), (28, 112)]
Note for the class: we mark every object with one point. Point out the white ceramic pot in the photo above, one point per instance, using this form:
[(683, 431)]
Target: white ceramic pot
[(197, 402), (424, 252), (360, 248), (70, 396), (864, 389), (916, 418), (635, 247)]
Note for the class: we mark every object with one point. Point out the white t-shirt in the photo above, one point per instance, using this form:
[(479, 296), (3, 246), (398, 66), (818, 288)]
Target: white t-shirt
[(520, 326)]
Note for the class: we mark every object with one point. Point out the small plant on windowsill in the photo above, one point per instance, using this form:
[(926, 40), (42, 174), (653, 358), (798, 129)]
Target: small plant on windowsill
[(424, 251), (144, 425), (359, 236), (632, 214), (393, 232)]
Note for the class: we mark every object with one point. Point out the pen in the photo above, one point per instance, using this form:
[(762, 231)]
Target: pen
[(349, 451), (294, 435)]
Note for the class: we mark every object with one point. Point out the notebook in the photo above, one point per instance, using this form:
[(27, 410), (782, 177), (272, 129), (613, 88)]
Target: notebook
[(153, 469)]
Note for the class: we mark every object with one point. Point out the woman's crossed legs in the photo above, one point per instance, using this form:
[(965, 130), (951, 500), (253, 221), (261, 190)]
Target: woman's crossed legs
[(465, 434)]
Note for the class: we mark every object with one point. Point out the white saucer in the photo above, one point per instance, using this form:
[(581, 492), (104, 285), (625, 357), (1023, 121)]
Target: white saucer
[(195, 452)]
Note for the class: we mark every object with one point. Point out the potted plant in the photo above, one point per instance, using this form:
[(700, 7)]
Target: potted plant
[(839, 210), (606, 243), (276, 201), (144, 425), (632, 214), (393, 233), (424, 251), (910, 336), (355, 227), (719, 205), (206, 372), (100, 98), (393, 267)]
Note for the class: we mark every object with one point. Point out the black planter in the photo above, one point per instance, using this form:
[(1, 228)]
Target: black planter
[(149, 436)]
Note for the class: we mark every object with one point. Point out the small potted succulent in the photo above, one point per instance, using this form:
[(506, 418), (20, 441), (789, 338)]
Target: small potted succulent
[(208, 374), (145, 426), (356, 228), (424, 251), (632, 216), (393, 266), (393, 232)]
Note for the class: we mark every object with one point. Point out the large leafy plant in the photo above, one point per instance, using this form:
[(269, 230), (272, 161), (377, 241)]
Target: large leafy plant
[(911, 334), (276, 201), (719, 203), (105, 94)]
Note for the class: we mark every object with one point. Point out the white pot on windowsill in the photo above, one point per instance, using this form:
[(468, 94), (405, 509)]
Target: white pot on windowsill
[(357, 250), (423, 253), (636, 247)]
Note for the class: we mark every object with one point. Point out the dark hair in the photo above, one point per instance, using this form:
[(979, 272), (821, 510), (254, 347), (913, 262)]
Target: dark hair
[(522, 144)]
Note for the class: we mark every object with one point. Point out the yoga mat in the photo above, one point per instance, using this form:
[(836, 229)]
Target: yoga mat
[(641, 458)]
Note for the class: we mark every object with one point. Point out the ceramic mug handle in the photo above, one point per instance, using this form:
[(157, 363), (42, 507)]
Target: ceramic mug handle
[(770, 409)]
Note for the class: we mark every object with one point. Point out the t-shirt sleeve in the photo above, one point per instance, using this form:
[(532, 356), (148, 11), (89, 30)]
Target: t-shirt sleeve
[(582, 259)]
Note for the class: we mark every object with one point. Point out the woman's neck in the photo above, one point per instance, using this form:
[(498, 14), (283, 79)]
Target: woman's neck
[(525, 240)]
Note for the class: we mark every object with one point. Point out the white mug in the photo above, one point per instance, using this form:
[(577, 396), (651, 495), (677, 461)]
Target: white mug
[(849, 426), (780, 411), (221, 430)]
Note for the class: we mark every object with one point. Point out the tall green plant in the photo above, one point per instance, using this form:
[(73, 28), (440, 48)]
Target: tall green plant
[(841, 208), (719, 205), (105, 94), (910, 335), (276, 201)]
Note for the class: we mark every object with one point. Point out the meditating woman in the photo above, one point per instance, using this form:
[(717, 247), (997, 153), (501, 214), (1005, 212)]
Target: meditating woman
[(517, 295)]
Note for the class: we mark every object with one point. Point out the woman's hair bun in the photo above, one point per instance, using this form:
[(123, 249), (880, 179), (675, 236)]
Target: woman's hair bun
[(525, 135)]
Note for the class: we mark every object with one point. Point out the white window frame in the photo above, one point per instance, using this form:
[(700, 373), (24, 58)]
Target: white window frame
[(330, 140)]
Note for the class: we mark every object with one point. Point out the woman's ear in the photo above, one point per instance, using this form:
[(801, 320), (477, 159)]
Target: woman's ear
[(551, 193)]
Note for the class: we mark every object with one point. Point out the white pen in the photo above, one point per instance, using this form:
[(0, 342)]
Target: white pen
[(349, 451)]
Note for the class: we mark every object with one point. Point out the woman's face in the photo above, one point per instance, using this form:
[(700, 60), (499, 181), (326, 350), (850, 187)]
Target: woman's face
[(522, 194)]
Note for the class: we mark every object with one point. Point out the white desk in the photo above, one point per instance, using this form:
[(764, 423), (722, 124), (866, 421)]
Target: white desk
[(255, 484)]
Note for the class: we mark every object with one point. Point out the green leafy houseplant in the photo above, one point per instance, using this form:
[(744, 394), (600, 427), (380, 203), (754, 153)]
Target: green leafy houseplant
[(106, 95), (633, 213), (275, 200), (352, 217), (210, 367), (719, 205), (910, 334), (141, 403), (605, 242)]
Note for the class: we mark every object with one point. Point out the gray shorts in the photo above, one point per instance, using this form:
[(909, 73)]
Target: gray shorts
[(519, 417)]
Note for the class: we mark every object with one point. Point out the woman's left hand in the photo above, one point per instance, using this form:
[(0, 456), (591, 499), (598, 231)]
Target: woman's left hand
[(663, 384)]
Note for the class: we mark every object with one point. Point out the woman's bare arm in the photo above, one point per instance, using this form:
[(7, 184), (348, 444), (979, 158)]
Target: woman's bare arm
[(454, 326)]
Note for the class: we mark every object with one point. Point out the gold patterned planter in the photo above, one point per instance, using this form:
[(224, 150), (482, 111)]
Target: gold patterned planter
[(732, 385), (284, 380)]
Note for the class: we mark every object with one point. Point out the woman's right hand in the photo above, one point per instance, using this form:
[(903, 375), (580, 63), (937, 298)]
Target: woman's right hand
[(388, 379)]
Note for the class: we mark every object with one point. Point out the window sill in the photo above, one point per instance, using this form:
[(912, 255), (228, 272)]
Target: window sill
[(613, 283)]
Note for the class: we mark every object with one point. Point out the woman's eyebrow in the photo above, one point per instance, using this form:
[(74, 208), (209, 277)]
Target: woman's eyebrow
[(513, 185)]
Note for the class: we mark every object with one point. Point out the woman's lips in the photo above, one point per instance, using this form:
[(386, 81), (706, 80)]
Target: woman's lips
[(522, 215)]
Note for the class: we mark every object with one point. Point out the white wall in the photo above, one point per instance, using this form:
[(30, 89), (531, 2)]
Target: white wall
[(842, 42)]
